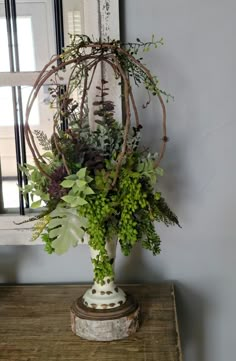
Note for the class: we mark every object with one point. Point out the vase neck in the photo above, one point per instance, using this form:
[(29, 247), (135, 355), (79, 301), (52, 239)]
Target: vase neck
[(110, 248)]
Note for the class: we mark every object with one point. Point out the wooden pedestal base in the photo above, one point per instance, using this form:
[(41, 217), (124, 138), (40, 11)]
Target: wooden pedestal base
[(105, 325)]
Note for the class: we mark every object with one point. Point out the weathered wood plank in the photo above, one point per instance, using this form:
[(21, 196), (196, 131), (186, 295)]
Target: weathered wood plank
[(35, 326)]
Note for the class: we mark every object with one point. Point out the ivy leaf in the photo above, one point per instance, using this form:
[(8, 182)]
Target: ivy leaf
[(27, 188), (81, 183), (81, 173), (30, 166), (72, 177), (78, 201), (68, 199), (36, 204), (87, 191), (68, 183), (66, 228), (74, 201), (88, 179), (48, 155), (24, 169), (45, 197)]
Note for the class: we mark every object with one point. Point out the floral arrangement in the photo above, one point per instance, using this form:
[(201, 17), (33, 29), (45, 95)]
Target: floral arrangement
[(98, 182)]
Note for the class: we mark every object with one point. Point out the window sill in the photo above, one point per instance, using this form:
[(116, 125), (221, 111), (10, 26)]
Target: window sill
[(14, 235)]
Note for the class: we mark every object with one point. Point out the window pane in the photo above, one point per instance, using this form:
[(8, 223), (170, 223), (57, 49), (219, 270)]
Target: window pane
[(25, 43), (4, 58), (41, 118), (8, 154), (36, 35), (34, 117), (10, 193), (6, 106), (8, 181), (73, 13)]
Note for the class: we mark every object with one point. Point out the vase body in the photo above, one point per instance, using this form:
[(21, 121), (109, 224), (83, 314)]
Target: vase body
[(105, 312), (108, 295)]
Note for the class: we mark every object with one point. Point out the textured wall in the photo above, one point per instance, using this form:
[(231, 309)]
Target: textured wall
[(197, 65)]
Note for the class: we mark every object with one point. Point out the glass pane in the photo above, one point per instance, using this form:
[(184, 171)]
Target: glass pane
[(25, 43), (4, 58), (41, 115), (41, 118), (8, 170), (73, 13), (6, 106), (34, 115), (10, 193), (36, 35)]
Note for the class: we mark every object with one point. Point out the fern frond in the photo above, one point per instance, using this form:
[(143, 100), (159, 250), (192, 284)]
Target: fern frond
[(43, 139), (162, 213)]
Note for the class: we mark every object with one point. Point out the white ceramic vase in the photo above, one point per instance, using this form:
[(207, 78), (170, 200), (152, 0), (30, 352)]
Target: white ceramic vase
[(108, 295)]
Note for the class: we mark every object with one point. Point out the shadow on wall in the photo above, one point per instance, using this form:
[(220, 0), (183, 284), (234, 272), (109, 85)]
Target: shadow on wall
[(191, 306), (191, 316), (10, 259), (134, 268)]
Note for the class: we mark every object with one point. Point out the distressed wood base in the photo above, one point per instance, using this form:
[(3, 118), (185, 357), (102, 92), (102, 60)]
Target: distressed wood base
[(105, 325)]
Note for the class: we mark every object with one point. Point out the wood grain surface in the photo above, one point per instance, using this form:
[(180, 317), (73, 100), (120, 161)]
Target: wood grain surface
[(35, 326)]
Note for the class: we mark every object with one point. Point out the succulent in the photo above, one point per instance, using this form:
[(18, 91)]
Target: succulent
[(55, 190)]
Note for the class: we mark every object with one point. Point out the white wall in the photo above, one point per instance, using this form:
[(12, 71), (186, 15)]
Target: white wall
[(197, 65)]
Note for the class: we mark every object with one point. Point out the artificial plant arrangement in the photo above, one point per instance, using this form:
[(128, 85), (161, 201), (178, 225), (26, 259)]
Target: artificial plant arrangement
[(97, 182)]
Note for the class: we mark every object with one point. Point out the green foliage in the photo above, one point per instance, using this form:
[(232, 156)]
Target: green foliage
[(162, 213), (40, 226), (43, 139), (107, 140), (147, 233), (102, 268), (48, 243), (84, 192), (37, 185), (65, 229), (91, 205), (98, 212), (79, 189), (132, 198), (146, 168)]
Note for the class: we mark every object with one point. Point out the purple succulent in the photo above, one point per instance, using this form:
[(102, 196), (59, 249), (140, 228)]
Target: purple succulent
[(55, 189)]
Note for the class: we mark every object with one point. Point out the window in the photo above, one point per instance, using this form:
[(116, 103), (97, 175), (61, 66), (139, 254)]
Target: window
[(25, 27), (31, 31)]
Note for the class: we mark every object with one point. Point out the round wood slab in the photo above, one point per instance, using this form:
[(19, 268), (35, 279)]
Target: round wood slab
[(105, 325)]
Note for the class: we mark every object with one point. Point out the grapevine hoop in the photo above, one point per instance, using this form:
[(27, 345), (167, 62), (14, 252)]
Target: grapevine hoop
[(84, 58)]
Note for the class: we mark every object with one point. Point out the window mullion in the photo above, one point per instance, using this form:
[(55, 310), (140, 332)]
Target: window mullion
[(19, 99), (9, 34), (58, 10), (8, 11), (60, 43), (22, 78)]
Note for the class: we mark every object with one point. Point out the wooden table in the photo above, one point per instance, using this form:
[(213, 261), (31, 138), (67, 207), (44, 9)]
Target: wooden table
[(35, 326)]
